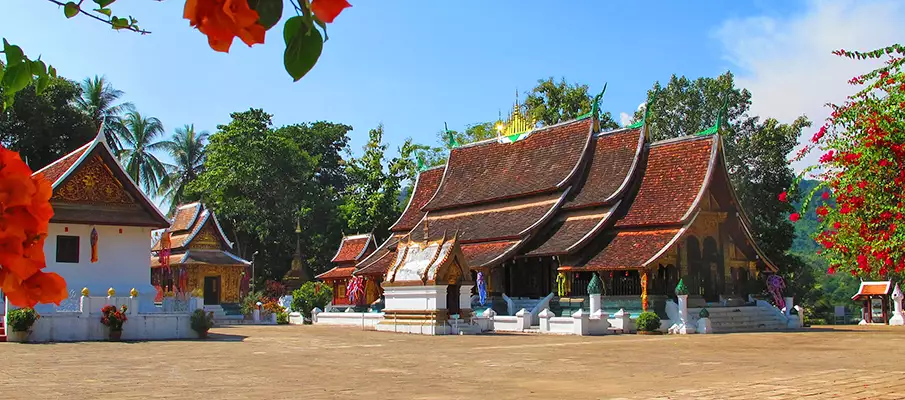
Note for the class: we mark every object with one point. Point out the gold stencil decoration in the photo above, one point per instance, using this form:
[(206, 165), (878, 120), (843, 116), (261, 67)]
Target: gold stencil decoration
[(93, 182), (206, 239)]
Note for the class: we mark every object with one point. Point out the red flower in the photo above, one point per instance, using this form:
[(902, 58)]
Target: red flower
[(783, 197), (794, 217), (822, 211), (828, 157), (837, 225), (862, 184), (825, 195), (831, 270), (327, 10), (817, 136)]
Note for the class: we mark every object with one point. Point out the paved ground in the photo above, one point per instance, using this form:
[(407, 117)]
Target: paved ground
[(283, 362)]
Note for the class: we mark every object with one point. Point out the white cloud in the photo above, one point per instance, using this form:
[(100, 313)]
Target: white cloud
[(625, 119), (787, 63)]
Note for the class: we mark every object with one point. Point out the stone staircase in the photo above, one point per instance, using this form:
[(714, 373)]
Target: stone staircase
[(526, 303), (742, 319), (222, 314), (2, 331)]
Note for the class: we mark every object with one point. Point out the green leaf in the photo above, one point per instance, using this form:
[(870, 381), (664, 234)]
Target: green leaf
[(71, 9), (13, 53), (119, 23), (17, 77), (104, 3), (8, 98), (269, 11), (52, 72), (42, 83), (302, 49), (324, 27), (105, 11)]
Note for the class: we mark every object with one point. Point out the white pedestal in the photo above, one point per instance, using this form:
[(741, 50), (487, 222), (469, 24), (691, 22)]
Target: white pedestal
[(683, 326), (595, 303), (256, 315), (898, 317), (704, 326)]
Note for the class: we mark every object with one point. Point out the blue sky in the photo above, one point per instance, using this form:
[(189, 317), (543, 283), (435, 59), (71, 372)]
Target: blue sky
[(413, 65)]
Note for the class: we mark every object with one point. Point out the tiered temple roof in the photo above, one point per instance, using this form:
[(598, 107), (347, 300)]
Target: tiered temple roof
[(197, 238), (351, 250), (597, 201), (91, 187)]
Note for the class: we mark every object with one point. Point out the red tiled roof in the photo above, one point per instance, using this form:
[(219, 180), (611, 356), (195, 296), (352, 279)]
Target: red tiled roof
[(213, 257), (486, 171), (381, 259), (502, 220), (571, 229), (866, 289), (479, 254), (425, 187), (185, 217), (676, 172), (55, 170), (352, 248), (628, 250), (336, 273), (614, 155)]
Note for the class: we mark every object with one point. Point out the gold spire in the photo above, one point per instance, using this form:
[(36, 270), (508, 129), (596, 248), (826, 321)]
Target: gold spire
[(517, 124)]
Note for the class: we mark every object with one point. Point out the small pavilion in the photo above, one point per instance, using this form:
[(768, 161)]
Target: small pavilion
[(351, 250), (870, 291)]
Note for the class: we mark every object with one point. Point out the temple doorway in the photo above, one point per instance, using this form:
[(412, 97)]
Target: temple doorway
[(452, 299), (211, 290)]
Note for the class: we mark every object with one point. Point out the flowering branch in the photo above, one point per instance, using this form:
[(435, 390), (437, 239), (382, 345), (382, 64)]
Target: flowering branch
[(71, 9)]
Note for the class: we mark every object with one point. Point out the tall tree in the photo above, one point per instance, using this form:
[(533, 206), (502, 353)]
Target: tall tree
[(186, 147), (137, 154), (371, 201), (46, 127), (553, 102), (756, 154), (260, 181), (100, 101)]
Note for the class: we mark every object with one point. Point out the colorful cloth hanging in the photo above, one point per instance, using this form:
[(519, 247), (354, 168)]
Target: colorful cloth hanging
[(355, 290), (163, 256), (93, 245), (644, 290), (562, 285), (482, 288), (775, 285)]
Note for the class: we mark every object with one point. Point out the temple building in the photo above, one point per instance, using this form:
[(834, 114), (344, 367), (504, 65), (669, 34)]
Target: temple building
[(540, 210), (352, 249), (101, 227), (200, 257)]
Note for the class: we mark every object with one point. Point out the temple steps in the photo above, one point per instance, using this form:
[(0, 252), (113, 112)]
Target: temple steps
[(743, 319), (2, 331)]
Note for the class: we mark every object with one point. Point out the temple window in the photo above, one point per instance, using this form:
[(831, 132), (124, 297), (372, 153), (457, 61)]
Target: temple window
[(67, 249)]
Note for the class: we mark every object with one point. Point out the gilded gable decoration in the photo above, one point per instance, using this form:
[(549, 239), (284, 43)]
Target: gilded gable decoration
[(93, 183)]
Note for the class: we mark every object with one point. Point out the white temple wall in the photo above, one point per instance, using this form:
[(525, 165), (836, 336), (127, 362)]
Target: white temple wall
[(356, 319), (123, 260), (415, 297)]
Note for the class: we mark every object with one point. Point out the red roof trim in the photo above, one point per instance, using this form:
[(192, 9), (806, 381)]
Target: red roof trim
[(632, 170), (714, 152), (420, 185), (581, 158)]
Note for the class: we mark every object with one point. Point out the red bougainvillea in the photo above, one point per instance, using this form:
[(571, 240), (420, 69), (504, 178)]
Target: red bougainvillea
[(862, 173), (24, 217)]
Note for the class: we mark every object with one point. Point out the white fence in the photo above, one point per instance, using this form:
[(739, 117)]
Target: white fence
[(84, 322)]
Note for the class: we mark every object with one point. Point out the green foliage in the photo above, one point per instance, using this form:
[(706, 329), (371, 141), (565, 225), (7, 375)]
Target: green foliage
[(202, 322), (648, 322), (311, 295), (100, 101), (21, 319), (249, 303), (370, 201), (304, 45), (186, 147), (102, 13), (26, 128), (260, 181), (282, 318), (137, 154), (552, 102), (269, 11), (19, 71)]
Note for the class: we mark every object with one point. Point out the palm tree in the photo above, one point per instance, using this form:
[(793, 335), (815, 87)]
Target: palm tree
[(187, 149), (98, 101), (137, 153)]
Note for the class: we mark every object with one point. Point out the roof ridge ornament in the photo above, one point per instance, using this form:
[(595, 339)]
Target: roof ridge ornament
[(595, 109), (720, 117), (650, 102), (518, 127)]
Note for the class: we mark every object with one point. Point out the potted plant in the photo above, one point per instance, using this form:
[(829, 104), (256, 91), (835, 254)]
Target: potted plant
[(648, 323), (20, 322), (202, 322), (114, 319)]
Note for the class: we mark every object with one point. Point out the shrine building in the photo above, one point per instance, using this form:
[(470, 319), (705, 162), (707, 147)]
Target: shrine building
[(539, 210), (352, 249), (200, 258), (101, 227)]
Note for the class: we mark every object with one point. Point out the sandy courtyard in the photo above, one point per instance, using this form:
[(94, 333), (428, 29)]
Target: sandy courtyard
[(293, 362)]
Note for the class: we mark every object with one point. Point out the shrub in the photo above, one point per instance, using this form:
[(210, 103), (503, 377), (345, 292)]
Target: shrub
[(648, 322), (113, 318), (249, 302), (21, 319), (311, 295), (201, 321), (282, 318), (274, 289)]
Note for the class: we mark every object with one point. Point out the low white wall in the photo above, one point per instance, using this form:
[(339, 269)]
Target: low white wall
[(85, 323), (562, 325), (367, 320), (415, 297), (506, 323)]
